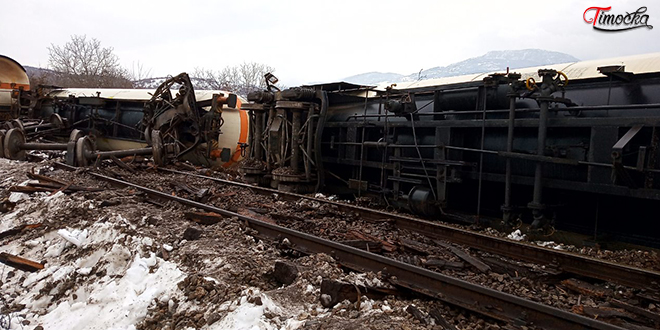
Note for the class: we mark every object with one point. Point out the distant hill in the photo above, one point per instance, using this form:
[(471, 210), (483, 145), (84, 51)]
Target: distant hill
[(491, 61), (33, 71), (41, 76)]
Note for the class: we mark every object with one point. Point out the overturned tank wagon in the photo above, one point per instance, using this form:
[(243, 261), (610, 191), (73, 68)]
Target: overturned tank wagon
[(172, 122), (118, 120), (13, 79), (571, 146)]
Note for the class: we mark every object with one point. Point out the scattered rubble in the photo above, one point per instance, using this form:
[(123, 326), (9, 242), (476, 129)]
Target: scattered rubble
[(113, 261), (189, 269)]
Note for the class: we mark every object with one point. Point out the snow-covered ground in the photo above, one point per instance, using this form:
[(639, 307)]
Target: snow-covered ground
[(127, 267), (98, 277), (95, 277)]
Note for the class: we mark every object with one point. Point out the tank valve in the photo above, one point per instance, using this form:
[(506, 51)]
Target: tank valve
[(243, 147)]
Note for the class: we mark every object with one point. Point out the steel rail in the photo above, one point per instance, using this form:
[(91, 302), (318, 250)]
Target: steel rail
[(565, 261), (473, 297)]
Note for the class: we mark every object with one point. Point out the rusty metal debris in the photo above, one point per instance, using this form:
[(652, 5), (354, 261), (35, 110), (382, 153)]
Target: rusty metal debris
[(585, 288), (385, 246), (48, 184), (476, 263), (121, 164), (20, 263), (655, 317)]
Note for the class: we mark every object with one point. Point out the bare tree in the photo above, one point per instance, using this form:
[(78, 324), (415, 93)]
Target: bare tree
[(209, 79), (85, 63), (139, 76), (240, 79)]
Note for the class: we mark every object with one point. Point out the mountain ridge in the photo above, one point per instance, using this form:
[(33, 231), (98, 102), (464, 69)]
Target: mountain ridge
[(497, 60)]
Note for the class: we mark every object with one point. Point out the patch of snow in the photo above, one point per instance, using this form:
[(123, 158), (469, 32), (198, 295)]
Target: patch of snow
[(53, 198), (544, 244), (366, 305), (15, 197), (209, 278), (10, 216), (248, 316), (84, 271), (76, 237), (517, 235), (117, 259), (147, 241), (560, 247), (55, 250), (117, 304)]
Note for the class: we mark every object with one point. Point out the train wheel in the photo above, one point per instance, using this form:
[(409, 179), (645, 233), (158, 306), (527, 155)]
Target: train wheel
[(147, 135), (159, 152), (2, 143), (71, 146), (84, 146), (12, 143), (56, 121), (17, 123)]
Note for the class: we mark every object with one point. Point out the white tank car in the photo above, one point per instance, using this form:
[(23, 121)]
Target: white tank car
[(234, 131), (12, 76)]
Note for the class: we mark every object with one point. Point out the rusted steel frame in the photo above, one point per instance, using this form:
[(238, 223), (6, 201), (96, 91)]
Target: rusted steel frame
[(470, 296), (20, 263), (122, 153), (566, 261), (43, 146)]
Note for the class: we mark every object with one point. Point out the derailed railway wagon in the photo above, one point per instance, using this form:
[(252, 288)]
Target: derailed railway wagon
[(571, 146), (13, 80), (172, 122), (116, 118)]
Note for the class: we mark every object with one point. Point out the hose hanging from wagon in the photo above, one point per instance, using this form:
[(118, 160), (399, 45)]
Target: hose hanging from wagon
[(317, 139), (421, 160)]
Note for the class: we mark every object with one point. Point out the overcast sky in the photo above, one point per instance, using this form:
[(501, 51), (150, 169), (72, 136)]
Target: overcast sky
[(310, 41)]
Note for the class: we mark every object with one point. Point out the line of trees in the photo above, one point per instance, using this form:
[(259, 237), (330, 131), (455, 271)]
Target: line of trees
[(240, 79), (84, 63)]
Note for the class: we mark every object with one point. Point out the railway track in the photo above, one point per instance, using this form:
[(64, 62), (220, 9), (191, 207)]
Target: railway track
[(561, 260), (476, 298)]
